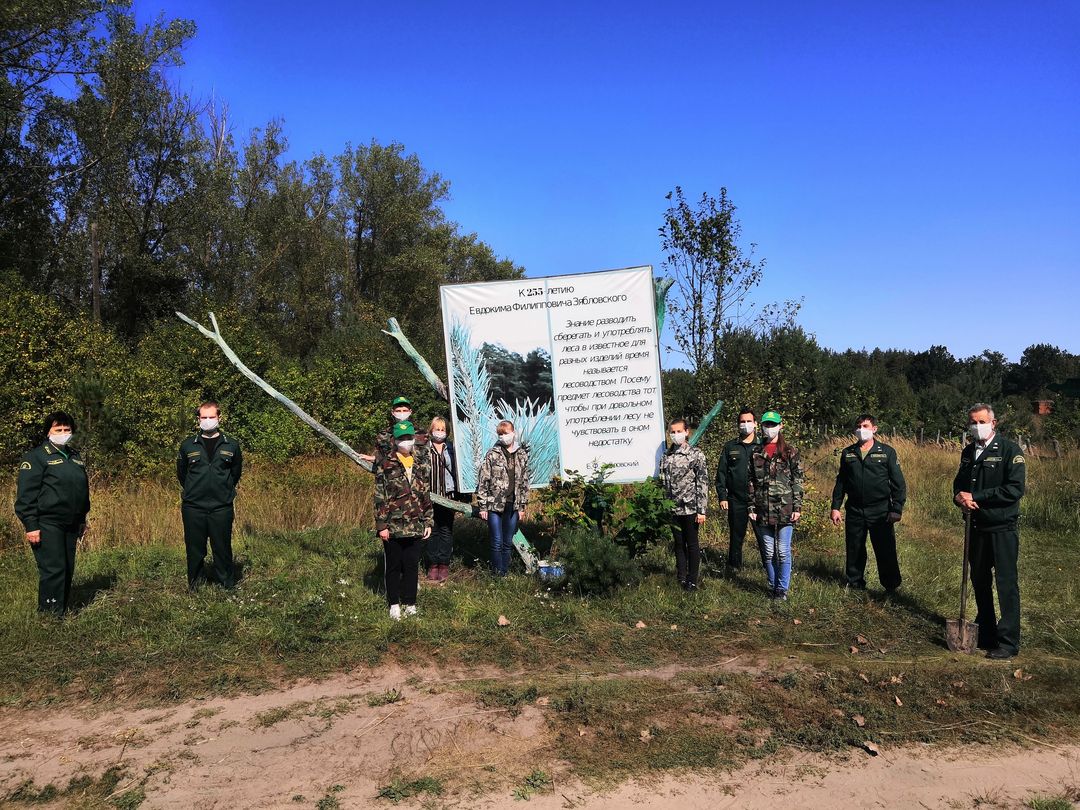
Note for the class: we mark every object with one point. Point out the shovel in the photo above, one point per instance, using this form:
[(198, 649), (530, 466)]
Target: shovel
[(961, 635)]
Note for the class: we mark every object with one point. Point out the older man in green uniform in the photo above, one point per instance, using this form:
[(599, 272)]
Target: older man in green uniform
[(871, 480), (988, 487), (732, 488), (209, 468)]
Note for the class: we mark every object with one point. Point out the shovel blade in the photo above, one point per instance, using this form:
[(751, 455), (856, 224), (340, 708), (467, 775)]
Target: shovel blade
[(960, 636)]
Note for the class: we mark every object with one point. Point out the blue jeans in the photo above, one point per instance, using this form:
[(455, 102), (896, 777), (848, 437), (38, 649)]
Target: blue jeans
[(502, 526), (774, 543)]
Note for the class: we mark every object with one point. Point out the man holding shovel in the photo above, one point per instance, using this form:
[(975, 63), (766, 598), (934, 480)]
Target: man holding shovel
[(988, 487)]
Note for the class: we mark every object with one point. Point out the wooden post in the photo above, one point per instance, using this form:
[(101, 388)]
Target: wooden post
[(95, 272)]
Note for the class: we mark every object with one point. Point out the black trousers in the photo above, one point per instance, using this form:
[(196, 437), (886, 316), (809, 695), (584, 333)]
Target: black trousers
[(55, 557), (993, 561), (738, 518), (402, 564), (882, 538), (687, 550), (440, 545), (215, 525)]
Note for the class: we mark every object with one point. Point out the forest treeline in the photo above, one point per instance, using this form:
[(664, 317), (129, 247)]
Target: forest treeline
[(123, 199)]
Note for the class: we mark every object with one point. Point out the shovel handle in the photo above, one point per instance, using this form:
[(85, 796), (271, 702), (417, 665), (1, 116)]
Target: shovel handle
[(964, 576)]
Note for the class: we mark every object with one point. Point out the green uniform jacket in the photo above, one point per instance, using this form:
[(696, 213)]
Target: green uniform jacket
[(874, 485), (733, 471), (209, 483), (776, 486), (53, 488), (403, 504), (996, 482)]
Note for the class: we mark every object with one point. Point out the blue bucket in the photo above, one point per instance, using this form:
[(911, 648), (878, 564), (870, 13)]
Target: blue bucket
[(551, 571)]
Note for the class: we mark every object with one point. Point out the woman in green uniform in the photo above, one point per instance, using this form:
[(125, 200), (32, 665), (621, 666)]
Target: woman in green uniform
[(52, 502)]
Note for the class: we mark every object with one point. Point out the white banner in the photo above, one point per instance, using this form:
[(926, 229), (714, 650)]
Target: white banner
[(573, 361)]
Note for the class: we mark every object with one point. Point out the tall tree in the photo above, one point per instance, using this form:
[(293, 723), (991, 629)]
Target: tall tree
[(713, 275)]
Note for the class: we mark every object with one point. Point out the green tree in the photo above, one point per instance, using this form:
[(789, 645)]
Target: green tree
[(713, 275)]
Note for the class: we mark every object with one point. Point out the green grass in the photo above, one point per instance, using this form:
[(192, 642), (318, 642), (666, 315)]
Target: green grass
[(83, 793), (309, 604)]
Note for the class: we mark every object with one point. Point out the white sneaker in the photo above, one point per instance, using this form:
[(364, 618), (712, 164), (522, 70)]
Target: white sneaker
[(410, 610), (395, 612)]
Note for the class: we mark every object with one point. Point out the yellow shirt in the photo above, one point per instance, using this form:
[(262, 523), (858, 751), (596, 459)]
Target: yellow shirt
[(406, 462)]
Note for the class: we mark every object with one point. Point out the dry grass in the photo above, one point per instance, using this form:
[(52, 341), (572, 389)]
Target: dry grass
[(304, 494)]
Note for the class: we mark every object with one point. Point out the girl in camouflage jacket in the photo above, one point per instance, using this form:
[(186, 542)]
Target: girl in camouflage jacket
[(502, 490), (684, 475), (776, 494), (403, 516)]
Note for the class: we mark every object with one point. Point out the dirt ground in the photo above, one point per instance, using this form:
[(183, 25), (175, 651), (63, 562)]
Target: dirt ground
[(326, 741)]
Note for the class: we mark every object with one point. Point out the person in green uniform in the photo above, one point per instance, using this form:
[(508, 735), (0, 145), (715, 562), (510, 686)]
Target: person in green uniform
[(871, 480), (209, 467), (52, 501), (988, 487), (731, 485)]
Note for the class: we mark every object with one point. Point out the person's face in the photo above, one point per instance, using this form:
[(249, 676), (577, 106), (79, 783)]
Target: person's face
[(867, 425), (59, 430), (747, 425), (982, 418), (209, 413), (402, 412)]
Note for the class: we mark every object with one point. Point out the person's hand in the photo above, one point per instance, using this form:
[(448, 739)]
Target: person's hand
[(753, 516), (34, 537), (483, 514), (367, 457), (724, 505), (893, 517), (427, 532), (384, 535), (966, 502), (700, 518), (82, 529), (795, 517), (836, 517), (521, 514)]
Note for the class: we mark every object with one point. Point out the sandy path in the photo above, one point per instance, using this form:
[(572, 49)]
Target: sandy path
[(261, 751)]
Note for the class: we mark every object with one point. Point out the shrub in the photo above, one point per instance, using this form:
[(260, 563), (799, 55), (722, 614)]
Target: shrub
[(648, 517), (595, 564)]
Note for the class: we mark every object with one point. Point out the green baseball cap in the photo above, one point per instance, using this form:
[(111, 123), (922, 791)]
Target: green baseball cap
[(400, 401), (771, 416), (404, 429)]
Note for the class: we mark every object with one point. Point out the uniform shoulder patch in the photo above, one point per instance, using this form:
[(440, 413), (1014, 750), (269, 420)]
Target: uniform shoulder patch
[(26, 466), (1018, 460)]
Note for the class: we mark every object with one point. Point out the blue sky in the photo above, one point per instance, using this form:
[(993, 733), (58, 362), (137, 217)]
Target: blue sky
[(911, 169)]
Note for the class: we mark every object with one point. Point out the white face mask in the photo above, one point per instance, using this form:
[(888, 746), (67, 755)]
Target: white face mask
[(507, 438), (980, 431), (678, 437), (864, 434), (208, 423), (438, 435), (747, 428), (60, 439), (771, 431), (406, 445), (402, 416)]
